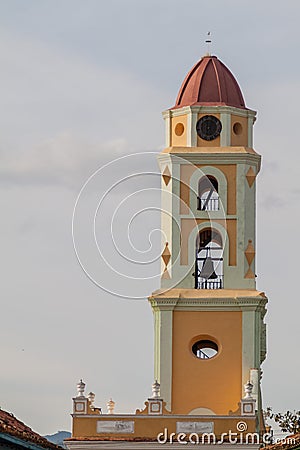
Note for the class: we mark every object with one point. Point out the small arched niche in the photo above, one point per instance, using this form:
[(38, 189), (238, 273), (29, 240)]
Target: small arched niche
[(209, 259), (202, 412), (208, 194)]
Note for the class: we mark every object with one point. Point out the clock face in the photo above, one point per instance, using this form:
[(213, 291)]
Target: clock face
[(208, 127)]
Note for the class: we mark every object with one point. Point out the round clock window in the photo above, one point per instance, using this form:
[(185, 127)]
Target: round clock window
[(208, 127)]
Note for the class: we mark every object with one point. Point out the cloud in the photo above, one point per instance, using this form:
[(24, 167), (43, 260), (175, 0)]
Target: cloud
[(62, 116), (63, 159)]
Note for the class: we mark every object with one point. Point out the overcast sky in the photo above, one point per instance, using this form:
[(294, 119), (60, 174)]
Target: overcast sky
[(83, 82)]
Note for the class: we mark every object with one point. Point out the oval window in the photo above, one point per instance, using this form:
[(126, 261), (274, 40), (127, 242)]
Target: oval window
[(237, 128), (179, 129), (205, 349)]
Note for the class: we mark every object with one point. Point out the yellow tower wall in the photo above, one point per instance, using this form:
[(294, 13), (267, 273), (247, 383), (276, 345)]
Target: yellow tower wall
[(179, 130), (215, 383)]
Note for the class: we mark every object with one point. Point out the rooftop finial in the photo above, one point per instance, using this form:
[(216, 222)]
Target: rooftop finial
[(110, 406), (248, 389), (91, 397), (80, 388), (156, 389), (208, 43)]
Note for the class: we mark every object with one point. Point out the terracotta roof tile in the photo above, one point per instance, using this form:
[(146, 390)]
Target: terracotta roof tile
[(9, 424), (113, 438), (289, 443), (279, 446)]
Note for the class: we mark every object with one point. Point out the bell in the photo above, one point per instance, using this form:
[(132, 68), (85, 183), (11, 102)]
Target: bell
[(208, 271)]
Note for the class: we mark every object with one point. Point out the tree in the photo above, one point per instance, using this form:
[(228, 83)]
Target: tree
[(289, 421)]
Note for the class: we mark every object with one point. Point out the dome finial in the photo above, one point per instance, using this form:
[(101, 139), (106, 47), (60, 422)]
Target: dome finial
[(208, 43)]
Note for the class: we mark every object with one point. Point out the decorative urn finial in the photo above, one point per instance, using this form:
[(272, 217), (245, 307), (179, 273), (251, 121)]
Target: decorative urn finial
[(80, 388), (155, 389), (248, 389), (110, 406), (91, 397)]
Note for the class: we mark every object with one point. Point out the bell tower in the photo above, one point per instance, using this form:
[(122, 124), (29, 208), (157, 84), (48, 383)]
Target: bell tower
[(209, 318), (209, 330)]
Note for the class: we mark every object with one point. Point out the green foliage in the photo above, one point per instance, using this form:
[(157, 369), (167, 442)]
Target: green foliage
[(289, 421)]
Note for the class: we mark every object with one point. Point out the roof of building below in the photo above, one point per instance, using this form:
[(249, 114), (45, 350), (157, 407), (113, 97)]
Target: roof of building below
[(289, 443), (283, 445), (10, 425), (112, 438)]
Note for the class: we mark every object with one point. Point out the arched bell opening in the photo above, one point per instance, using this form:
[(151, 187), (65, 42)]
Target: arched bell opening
[(208, 196), (209, 260)]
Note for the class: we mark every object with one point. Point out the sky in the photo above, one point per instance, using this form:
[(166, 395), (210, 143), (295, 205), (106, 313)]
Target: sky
[(83, 85)]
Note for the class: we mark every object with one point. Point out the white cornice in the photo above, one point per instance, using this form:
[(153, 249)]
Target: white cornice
[(212, 158), (223, 109), (210, 110), (208, 215), (159, 417), (164, 157), (176, 112), (208, 304)]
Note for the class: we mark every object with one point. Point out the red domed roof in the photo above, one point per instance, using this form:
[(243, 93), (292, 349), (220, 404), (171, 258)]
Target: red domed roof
[(209, 82)]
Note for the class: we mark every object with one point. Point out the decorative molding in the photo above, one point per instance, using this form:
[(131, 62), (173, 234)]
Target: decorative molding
[(250, 252), (173, 112), (190, 417), (208, 304), (80, 405), (250, 255), (176, 112), (115, 426), (249, 275), (164, 158), (166, 256), (166, 175), (198, 156), (153, 408), (250, 175), (194, 427)]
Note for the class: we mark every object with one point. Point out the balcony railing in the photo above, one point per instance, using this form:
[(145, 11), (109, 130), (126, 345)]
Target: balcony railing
[(213, 280), (202, 355), (216, 283), (211, 204)]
